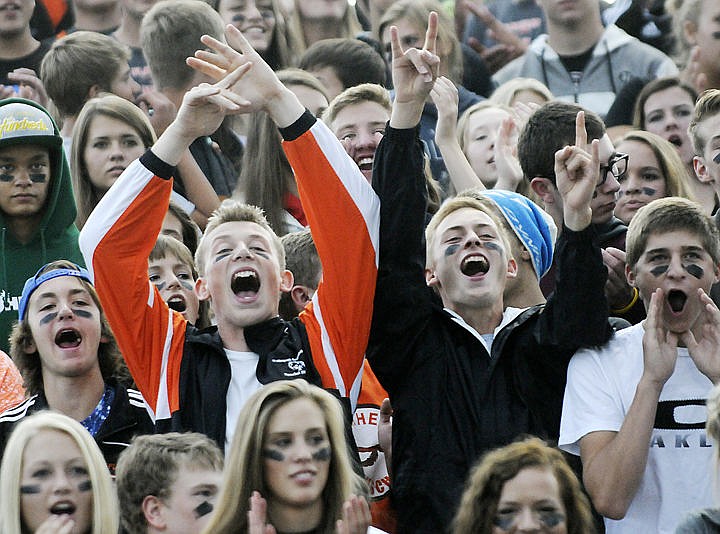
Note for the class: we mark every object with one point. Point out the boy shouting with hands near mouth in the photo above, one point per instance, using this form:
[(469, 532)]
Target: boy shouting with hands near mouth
[(635, 409)]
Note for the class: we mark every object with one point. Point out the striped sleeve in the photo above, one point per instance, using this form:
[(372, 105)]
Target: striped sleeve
[(116, 242), (343, 212)]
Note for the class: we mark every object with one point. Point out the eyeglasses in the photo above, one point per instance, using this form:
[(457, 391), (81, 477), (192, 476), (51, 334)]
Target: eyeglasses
[(617, 166)]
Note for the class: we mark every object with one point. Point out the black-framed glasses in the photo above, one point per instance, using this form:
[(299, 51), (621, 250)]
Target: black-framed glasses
[(617, 166)]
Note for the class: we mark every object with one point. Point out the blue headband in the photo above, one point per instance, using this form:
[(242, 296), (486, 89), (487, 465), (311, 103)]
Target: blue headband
[(534, 227), (33, 283)]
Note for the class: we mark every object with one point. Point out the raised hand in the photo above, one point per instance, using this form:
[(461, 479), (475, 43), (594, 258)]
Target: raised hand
[(56, 524), (706, 352), (444, 95), (356, 516), (659, 344), (508, 167), (509, 44), (261, 89), (30, 85), (617, 290), (159, 109), (257, 516), (577, 173), (414, 72)]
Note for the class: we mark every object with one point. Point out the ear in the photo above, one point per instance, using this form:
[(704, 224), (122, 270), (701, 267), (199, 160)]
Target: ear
[(512, 268), (544, 189), (286, 281), (716, 271), (29, 346), (93, 91), (153, 509), (630, 276), (300, 296), (701, 170), (431, 278), (201, 289)]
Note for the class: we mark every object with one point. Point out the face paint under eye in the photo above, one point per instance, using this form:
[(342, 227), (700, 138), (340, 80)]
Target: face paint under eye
[(203, 509), (493, 246), (187, 285), (649, 191), (85, 485), (323, 455), (551, 519), (660, 269), (238, 18), (273, 454), (161, 285), (38, 178), (6, 177), (30, 489), (452, 249), (694, 270), (716, 159), (48, 318), (82, 313)]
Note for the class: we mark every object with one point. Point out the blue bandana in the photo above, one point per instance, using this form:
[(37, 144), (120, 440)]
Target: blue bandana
[(533, 227), (36, 281)]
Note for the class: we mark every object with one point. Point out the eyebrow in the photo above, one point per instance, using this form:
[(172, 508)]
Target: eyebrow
[(355, 125), (684, 248), (52, 294)]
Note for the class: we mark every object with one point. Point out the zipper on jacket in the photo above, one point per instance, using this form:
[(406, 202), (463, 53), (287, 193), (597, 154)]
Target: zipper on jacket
[(576, 76)]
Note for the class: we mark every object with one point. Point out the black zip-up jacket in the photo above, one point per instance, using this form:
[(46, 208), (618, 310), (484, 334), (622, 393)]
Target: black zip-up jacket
[(128, 418), (452, 400)]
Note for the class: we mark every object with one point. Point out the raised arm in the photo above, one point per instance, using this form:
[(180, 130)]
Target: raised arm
[(120, 233), (614, 462), (342, 210)]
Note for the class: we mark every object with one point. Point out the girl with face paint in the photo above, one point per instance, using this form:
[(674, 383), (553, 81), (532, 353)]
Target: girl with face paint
[(654, 171), (523, 487), (53, 478), (290, 466)]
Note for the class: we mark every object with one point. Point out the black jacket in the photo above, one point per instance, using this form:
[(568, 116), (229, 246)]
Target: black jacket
[(128, 418), (452, 400)]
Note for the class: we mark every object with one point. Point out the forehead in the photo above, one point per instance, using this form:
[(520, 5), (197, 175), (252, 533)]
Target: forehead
[(362, 113), (709, 128), (24, 152), (487, 117), (58, 286), (170, 260), (465, 217), (297, 415), (102, 124), (640, 153), (669, 97), (675, 240), (59, 444), (234, 231)]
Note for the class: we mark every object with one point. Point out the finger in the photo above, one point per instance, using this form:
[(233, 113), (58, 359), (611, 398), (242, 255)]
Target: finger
[(580, 132), (396, 49), (207, 68), (386, 410), (595, 153), (419, 63), (234, 77), (237, 40), (431, 33)]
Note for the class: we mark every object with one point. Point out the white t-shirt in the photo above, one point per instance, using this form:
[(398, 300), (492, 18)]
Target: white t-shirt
[(678, 474), (243, 383)]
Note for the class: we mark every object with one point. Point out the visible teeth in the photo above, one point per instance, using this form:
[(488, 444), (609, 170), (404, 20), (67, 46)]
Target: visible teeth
[(366, 163), (245, 281)]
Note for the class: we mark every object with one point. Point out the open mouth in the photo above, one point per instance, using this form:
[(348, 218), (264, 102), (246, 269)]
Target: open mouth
[(177, 303), (244, 282), (365, 164), (63, 508), (68, 338), (473, 265), (676, 299), (675, 140)]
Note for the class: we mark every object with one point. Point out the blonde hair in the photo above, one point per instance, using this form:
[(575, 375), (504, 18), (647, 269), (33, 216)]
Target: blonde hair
[(348, 27), (234, 211), (244, 465), (506, 92), (105, 513)]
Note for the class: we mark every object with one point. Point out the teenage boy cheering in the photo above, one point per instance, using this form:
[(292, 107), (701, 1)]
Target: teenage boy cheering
[(200, 379)]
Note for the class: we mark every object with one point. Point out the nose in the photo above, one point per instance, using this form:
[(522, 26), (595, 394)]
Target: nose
[(64, 310), (630, 185), (241, 252), (116, 153), (173, 281), (252, 12), (611, 184), (368, 139), (61, 482), (676, 269), (526, 521)]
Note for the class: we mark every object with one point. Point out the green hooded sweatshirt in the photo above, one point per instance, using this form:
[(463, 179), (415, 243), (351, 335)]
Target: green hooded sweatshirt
[(23, 122)]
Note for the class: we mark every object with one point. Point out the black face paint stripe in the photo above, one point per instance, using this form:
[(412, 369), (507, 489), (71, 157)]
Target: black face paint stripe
[(82, 313), (493, 246), (161, 285), (30, 489), (322, 455), (38, 178), (452, 249), (649, 191), (660, 269), (273, 454), (203, 509), (187, 285), (694, 270), (48, 318), (85, 485), (6, 177)]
